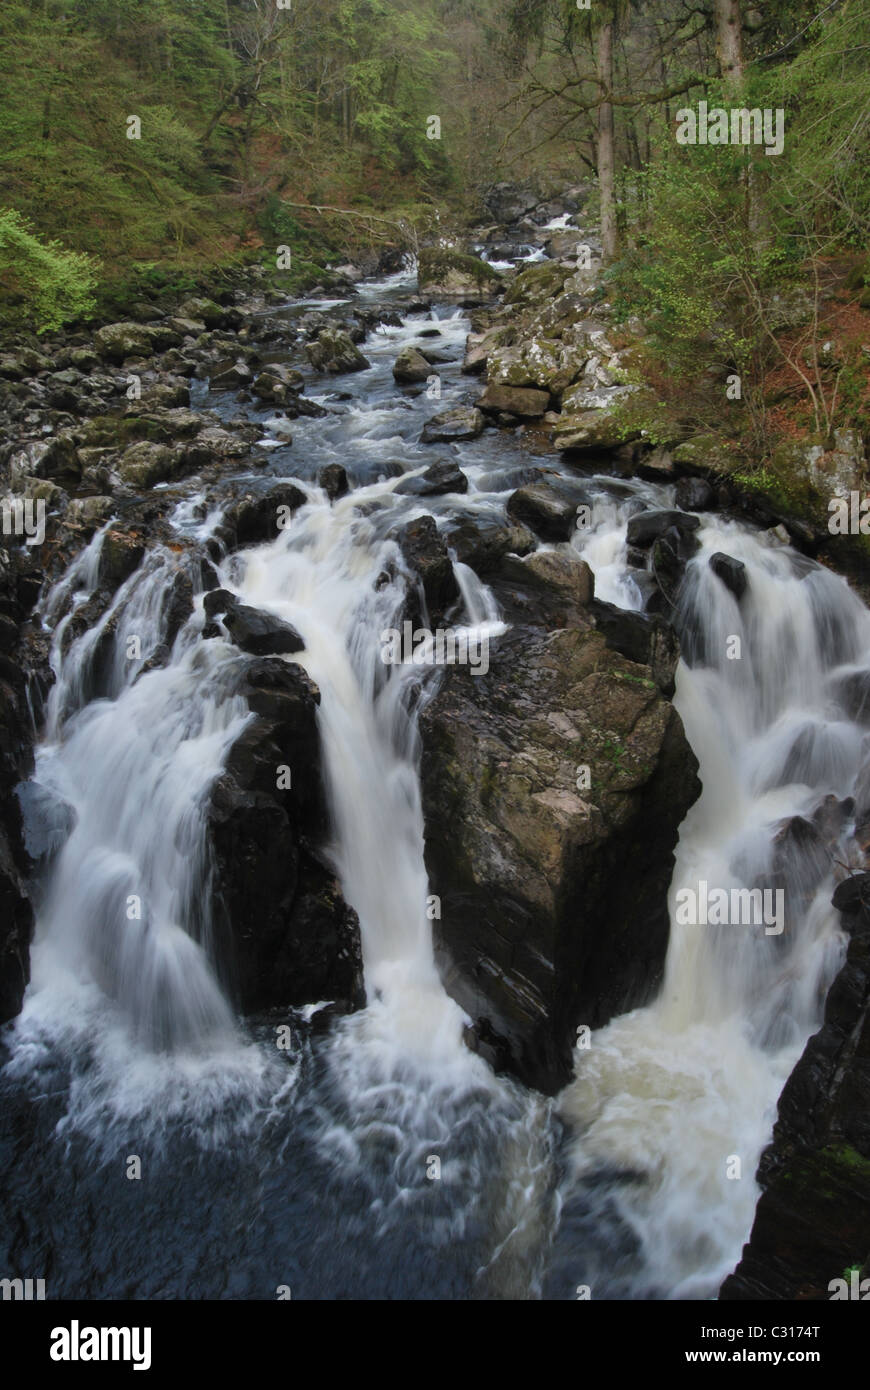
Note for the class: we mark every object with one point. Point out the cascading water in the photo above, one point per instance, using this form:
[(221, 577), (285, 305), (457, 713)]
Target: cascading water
[(311, 1167), (668, 1097)]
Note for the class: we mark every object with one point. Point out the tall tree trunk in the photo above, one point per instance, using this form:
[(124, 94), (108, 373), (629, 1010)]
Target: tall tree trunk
[(729, 42), (606, 160)]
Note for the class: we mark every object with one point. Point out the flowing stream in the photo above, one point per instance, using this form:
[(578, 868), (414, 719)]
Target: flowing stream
[(311, 1166)]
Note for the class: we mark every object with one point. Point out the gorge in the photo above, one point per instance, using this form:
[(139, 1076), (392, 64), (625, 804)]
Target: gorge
[(306, 919)]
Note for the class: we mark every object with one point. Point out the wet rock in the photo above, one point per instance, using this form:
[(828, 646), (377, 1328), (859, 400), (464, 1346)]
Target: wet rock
[(526, 403), (333, 480), (463, 422), (481, 544), (545, 511), (256, 519), (477, 349), (287, 937), (695, 495), (260, 634), (16, 764), (214, 445), (647, 527), (411, 366), (853, 693), (732, 573), (436, 480), (657, 466), (668, 565), (426, 556), (55, 458), (334, 351), (553, 896), (277, 383), (166, 395), (812, 1222), (120, 556), (646, 639)]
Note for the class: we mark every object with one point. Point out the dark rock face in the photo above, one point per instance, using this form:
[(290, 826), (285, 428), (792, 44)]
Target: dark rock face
[(508, 202), (16, 914), (644, 638), (285, 933), (553, 789), (483, 543), (732, 573), (251, 520), (812, 1222), (436, 480), (426, 556), (695, 495), (250, 630), (549, 515), (647, 527), (333, 480)]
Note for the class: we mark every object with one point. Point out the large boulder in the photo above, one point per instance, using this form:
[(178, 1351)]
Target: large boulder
[(545, 511), (447, 274), (285, 933), (463, 422), (427, 558), (255, 519), (334, 351), (483, 543), (145, 464), (434, 481), (594, 419), (118, 341), (513, 400), (260, 634), (411, 366), (545, 364), (509, 202), (553, 790)]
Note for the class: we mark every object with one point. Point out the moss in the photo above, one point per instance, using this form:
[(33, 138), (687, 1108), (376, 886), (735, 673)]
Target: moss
[(635, 680), (437, 263), (830, 1173), (538, 283)]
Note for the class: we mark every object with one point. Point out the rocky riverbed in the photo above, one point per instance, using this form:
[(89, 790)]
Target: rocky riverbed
[(238, 496)]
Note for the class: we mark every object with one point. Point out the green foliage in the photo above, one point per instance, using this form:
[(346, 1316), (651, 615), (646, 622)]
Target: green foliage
[(55, 284), (825, 93)]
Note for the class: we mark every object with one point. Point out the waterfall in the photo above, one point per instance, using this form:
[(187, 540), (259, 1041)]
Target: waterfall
[(639, 1179), (672, 1104)]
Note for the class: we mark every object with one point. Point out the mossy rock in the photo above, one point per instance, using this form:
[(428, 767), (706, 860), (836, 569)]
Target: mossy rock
[(538, 283), (448, 273), (706, 453)]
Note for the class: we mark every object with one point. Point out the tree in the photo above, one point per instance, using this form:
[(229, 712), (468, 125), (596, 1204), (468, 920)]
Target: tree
[(729, 42)]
